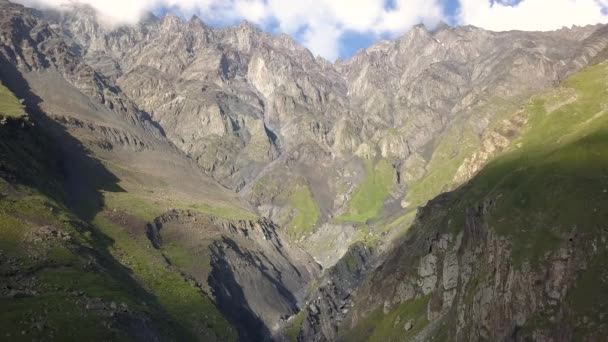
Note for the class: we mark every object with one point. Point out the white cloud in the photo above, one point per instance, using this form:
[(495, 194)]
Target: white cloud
[(320, 24), (532, 15)]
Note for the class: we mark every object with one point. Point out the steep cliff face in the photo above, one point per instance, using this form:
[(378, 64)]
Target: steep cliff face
[(111, 190), (257, 279), (331, 299), (515, 254), (110, 231), (295, 134)]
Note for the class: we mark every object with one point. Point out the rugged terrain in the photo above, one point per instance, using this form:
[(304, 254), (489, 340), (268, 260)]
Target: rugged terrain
[(515, 254), (357, 141), (174, 181), (106, 222)]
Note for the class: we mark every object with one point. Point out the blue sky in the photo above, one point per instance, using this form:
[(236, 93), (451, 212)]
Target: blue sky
[(352, 41), (339, 28)]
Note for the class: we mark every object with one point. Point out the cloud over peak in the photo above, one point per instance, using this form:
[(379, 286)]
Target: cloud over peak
[(322, 24)]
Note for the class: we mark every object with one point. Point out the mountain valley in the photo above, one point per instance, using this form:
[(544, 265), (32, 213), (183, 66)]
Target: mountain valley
[(171, 181)]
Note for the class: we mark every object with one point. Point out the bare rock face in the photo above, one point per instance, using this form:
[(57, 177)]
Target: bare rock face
[(331, 301), (177, 102), (256, 277), (248, 267), (245, 104), (472, 284)]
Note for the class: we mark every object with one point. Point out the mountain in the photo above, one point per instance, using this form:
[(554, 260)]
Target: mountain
[(257, 111), (109, 230), (518, 252), (173, 181)]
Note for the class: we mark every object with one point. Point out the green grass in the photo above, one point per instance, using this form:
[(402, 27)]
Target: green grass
[(267, 187), (452, 150), (454, 147), (368, 199), (100, 259), (301, 214), (382, 327), (403, 222), (133, 204), (183, 302), (19, 319), (554, 182), (366, 236), (150, 208), (296, 326), (9, 104), (307, 212), (224, 212), (552, 179), (58, 267)]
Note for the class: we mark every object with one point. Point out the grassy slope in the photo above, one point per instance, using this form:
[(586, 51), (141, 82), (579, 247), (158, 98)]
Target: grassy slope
[(54, 280), (307, 212), (295, 326), (368, 199), (54, 269), (148, 207), (382, 327), (458, 144), (9, 104), (303, 212), (550, 182), (182, 301)]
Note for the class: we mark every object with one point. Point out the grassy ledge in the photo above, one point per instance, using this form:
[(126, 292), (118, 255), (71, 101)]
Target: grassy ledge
[(368, 199)]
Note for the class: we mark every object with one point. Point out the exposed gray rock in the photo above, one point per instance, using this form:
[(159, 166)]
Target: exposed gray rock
[(426, 271), (243, 103), (256, 276), (408, 325)]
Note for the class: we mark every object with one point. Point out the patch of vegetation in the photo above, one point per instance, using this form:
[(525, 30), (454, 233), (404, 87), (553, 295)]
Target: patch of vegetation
[(293, 331), (67, 279), (55, 279), (366, 236), (9, 104), (307, 212), (552, 181), (194, 260), (301, 211), (183, 302), (459, 143), (224, 212), (148, 208), (266, 187), (391, 327), (368, 199), (404, 221)]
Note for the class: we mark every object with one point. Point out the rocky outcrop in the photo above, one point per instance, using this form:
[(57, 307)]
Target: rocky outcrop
[(493, 141), (245, 104), (256, 277), (333, 296), (475, 288)]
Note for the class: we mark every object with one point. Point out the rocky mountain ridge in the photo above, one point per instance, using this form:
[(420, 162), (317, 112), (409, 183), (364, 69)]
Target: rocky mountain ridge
[(94, 197), (256, 110), (140, 123)]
